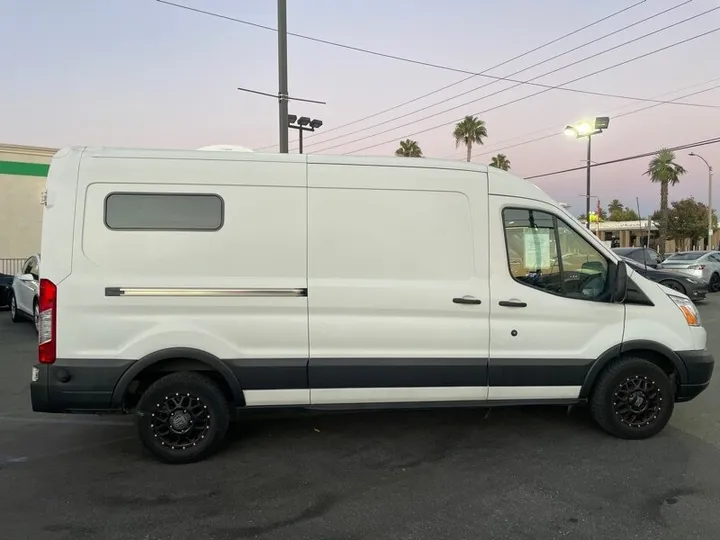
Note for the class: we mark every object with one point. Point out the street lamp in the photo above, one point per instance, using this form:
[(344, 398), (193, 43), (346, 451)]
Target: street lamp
[(588, 129), (302, 125), (710, 227)]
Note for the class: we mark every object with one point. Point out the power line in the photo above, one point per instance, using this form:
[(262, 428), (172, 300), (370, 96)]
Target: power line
[(627, 158), (639, 57), (539, 63), (377, 53), (556, 133), (504, 62)]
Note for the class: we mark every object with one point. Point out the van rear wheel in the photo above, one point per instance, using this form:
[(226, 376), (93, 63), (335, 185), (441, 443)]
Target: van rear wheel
[(632, 399), (183, 417)]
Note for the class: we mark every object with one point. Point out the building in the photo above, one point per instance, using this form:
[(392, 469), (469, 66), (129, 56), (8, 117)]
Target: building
[(23, 171)]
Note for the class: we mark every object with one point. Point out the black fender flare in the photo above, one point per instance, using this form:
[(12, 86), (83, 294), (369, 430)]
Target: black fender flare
[(627, 347), (213, 363)]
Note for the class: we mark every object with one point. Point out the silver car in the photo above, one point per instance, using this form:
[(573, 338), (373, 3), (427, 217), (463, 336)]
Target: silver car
[(702, 265), (24, 292)]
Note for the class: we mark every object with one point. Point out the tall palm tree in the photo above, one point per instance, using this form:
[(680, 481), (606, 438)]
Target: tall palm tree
[(663, 170), (470, 130), (409, 148), (500, 162)]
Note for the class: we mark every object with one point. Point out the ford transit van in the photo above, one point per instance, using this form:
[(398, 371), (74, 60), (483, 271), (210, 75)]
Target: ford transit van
[(180, 286)]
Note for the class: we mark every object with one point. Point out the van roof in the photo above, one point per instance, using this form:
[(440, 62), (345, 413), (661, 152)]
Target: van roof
[(500, 182)]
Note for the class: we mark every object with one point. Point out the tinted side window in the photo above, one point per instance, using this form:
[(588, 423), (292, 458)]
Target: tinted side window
[(546, 253), (27, 265), (164, 211), (34, 268)]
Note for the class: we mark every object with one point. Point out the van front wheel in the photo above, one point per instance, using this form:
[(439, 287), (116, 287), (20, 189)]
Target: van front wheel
[(632, 399), (183, 417)]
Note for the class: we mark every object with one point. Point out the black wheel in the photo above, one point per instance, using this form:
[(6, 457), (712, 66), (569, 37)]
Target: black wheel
[(714, 285), (674, 285), (632, 399), (15, 315), (36, 315), (183, 417)]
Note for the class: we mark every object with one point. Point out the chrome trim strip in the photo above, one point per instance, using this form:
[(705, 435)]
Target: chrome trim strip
[(214, 292)]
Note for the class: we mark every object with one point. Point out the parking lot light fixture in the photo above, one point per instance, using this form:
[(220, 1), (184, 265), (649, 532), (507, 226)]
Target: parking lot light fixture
[(304, 123), (588, 129)]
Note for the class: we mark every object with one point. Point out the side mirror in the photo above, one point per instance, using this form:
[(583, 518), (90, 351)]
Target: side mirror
[(621, 283), (26, 277)]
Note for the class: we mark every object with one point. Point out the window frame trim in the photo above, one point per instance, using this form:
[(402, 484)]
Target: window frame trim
[(164, 229), (555, 218)]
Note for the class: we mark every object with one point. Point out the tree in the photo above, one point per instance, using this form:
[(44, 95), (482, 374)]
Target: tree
[(663, 170), (470, 130), (409, 148), (687, 220), (500, 162), (617, 211)]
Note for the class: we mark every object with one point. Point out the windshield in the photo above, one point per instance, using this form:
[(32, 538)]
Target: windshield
[(686, 256)]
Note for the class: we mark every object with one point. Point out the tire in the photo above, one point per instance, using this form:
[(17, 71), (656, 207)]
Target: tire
[(36, 316), (608, 408), (183, 418), (15, 315), (674, 285), (714, 285)]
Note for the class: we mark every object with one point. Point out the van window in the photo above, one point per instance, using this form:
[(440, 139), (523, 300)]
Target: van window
[(164, 211), (545, 253), (390, 234)]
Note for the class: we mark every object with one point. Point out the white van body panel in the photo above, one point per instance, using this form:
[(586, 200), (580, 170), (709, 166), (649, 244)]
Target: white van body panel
[(390, 248), (252, 250)]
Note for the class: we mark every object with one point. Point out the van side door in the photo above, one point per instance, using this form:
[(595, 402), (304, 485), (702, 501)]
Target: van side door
[(397, 284), (551, 315)]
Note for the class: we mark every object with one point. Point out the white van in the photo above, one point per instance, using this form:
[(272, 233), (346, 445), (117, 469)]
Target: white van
[(182, 285)]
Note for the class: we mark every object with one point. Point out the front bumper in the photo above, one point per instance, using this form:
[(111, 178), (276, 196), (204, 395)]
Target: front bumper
[(699, 366), (76, 385)]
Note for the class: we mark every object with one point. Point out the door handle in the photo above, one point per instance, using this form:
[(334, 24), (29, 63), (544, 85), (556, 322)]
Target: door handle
[(512, 303), (467, 300)]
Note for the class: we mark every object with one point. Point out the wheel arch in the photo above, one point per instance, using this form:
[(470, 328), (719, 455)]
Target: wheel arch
[(654, 352), (178, 359)]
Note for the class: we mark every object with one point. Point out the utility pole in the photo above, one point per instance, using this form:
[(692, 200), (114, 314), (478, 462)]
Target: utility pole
[(587, 183), (710, 210), (283, 76)]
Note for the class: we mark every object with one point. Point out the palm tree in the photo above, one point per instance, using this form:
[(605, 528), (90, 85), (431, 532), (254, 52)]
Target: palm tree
[(408, 148), (615, 206), (468, 131), (663, 170), (500, 162)]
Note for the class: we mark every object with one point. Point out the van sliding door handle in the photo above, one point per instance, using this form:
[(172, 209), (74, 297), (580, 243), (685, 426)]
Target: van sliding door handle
[(512, 303), (467, 300)]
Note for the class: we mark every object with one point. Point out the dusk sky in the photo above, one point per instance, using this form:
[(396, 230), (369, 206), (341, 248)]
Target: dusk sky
[(141, 73)]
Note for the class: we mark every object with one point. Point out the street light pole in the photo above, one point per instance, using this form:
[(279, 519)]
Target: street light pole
[(303, 124), (710, 210), (283, 76), (587, 183)]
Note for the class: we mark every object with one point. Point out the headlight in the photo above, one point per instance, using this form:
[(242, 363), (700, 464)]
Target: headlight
[(691, 313)]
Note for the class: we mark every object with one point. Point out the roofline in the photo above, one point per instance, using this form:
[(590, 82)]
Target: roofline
[(28, 150)]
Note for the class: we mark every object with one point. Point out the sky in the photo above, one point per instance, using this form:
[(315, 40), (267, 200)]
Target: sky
[(139, 73)]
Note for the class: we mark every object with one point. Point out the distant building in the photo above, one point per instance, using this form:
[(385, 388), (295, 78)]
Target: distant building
[(23, 172)]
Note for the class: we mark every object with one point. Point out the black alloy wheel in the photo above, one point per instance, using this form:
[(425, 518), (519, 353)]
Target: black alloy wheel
[(632, 398), (183, 417)]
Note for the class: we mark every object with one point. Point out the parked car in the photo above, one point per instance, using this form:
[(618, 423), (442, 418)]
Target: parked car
[(643, 255), (690, 287), (179, 286), (702, 265), (5, 286), (24, 292)]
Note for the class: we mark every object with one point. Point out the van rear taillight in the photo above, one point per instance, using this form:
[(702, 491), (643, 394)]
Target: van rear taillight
[(47, 325)]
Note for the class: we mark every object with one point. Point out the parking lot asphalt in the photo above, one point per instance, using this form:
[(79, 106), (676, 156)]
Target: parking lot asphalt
[(525, 473)]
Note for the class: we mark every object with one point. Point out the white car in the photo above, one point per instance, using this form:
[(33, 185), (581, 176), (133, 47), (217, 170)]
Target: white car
[(24, 292)]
